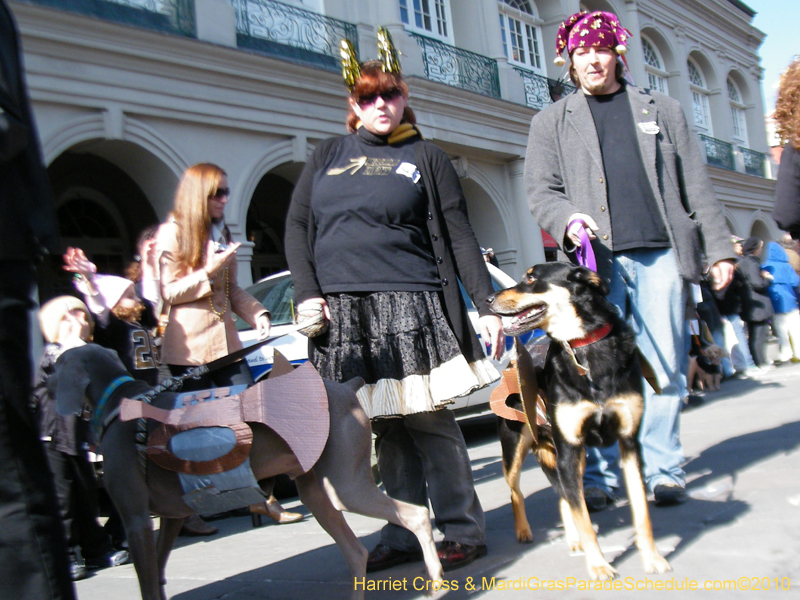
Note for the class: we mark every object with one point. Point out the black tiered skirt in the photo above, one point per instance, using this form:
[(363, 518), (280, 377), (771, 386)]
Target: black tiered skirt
[(401, 344)]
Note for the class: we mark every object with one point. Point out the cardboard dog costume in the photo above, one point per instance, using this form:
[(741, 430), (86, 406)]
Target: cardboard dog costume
[(96, 374)]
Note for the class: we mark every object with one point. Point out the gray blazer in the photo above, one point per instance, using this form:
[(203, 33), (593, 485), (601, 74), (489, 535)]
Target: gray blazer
[(564, 175)]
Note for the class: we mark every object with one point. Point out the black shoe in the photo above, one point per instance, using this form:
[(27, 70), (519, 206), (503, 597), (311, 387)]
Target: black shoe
[(383, 557), (669, 494), (112, 559), (596, 499), (454, 555), (77, 570), (692, 401)]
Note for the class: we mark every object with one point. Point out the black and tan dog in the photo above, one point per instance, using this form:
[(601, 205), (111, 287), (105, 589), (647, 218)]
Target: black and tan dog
[(592, 384), (341, 478)]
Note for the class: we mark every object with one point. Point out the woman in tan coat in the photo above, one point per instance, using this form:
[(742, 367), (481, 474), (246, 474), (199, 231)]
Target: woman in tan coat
[(198, 273), (200, 290)]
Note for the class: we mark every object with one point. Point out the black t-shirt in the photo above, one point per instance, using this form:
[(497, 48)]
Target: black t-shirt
[(133, 343), (370, 212), (635, 219)]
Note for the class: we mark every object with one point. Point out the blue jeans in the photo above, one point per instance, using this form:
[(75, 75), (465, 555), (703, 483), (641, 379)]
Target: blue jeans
[(650, 294)]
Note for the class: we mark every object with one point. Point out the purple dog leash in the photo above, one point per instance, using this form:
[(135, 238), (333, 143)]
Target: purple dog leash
[(584, 253)]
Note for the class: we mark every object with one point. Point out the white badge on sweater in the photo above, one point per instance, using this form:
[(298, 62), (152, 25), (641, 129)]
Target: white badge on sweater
[(409, 171), (649, 127)]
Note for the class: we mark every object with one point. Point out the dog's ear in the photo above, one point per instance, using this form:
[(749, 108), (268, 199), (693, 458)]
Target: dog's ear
[(588, 277), (68, 384)]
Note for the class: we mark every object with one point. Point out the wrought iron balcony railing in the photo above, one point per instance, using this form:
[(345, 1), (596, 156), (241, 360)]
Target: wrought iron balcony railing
[(460, 68), (542, 91), (171, 16), (718, 153), (291, 33), (754, 162)]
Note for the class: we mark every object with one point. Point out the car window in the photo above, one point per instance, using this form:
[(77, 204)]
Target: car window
[(277, 296)]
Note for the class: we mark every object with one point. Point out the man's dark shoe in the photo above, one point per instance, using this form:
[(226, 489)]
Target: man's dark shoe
[(596, 499), (112, 559), (454, 555), (77, 570), (383, 557), (669, 494)]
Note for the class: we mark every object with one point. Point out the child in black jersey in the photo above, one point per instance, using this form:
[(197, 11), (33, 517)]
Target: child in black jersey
[(125, 322)]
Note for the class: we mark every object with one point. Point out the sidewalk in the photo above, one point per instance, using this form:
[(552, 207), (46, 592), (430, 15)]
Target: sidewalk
[(742, 524)]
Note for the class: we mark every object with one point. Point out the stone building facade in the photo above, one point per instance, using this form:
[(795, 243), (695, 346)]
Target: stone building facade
[(129, 93)]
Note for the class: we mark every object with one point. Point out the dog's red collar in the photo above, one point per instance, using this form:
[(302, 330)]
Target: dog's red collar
[(594, 336)]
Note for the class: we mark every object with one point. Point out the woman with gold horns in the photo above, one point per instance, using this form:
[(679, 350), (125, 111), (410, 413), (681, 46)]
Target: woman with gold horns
[(376, 238)]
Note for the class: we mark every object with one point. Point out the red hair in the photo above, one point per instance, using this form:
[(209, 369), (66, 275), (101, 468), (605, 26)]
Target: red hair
[(374, 81)]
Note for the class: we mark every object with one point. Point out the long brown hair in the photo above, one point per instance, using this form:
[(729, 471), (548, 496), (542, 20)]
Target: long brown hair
[(787, 108), (197, 185), (374, 81)]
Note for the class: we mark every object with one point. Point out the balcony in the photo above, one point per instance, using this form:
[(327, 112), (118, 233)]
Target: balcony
[(459, 68), (170, 16), (718, 153), (290, 33), (542, 91), (754, 162)]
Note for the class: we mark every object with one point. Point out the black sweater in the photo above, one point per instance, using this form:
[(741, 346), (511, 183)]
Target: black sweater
[(455, 248), (370, 210)]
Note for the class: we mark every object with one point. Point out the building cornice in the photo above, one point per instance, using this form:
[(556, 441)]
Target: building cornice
[(175, 73), (745, 191)]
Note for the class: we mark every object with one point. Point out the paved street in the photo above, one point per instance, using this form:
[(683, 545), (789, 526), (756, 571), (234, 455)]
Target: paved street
[(742, 523)]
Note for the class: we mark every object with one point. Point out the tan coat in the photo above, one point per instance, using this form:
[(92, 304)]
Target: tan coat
[(194, 335)]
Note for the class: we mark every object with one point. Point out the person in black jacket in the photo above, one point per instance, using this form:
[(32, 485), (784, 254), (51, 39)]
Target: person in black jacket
[(756, 305), (33, 552), (787, 117), (376, 237)]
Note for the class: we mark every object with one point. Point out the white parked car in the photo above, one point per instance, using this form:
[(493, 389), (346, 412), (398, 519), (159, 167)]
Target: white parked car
[(276, 293)]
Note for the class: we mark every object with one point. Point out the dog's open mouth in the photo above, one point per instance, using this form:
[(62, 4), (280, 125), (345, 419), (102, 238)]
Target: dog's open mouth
[(526, 320)]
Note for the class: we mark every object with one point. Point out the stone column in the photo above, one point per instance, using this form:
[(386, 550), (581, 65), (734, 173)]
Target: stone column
[(531, 250)]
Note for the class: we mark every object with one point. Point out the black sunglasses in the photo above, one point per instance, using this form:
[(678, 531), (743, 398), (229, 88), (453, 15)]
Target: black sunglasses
[(365, 102), (221, 192)]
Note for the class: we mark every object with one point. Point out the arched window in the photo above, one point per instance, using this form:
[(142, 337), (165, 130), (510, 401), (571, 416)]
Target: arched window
[(521, 33), (702, 114), (737, 113), (654, 66), (429, 17)]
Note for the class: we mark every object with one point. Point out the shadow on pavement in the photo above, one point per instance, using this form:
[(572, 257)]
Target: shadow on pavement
[(323, 573)]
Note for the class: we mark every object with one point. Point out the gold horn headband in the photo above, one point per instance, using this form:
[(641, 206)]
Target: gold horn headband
[(387, 54), (351, 70)]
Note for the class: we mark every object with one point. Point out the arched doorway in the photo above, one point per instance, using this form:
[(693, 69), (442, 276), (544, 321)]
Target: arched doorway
[(487, 222), (266, 219), (99, 209), (761, 230)]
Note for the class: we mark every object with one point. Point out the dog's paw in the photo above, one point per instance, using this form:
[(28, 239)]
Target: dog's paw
[(601, 572), (524, 535), (574, 545), (657, 564)]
